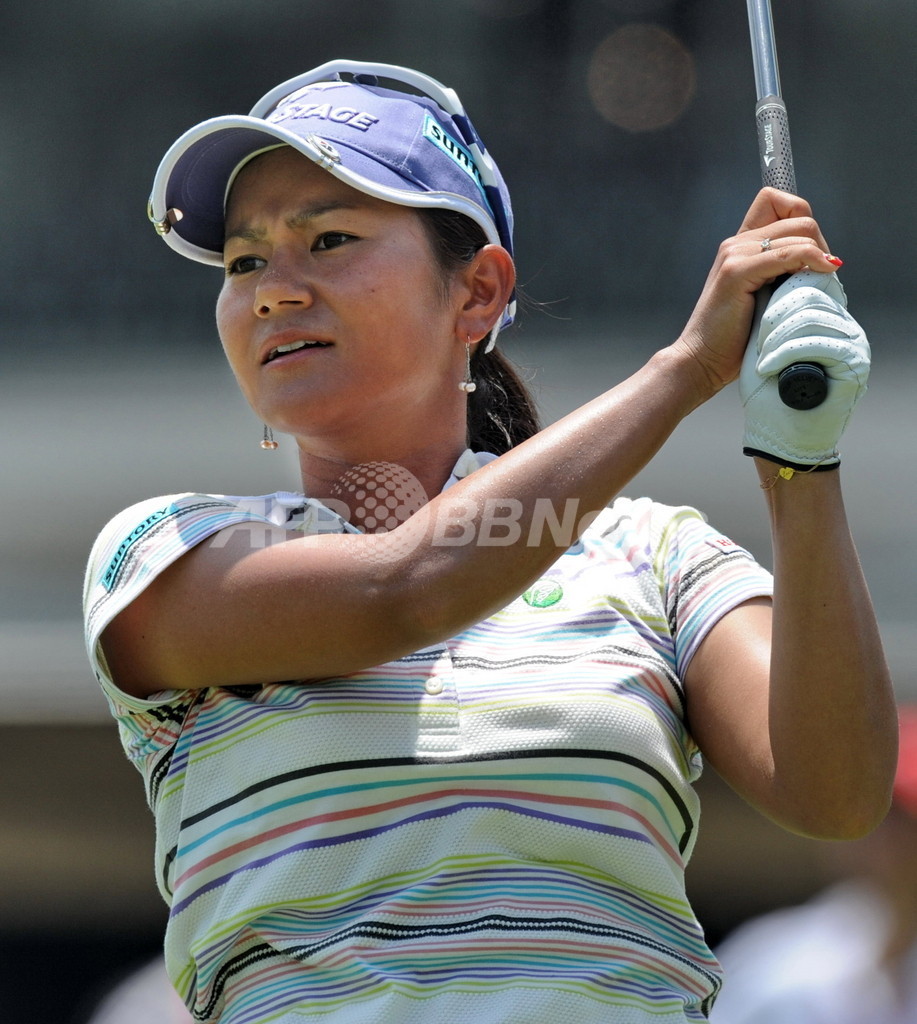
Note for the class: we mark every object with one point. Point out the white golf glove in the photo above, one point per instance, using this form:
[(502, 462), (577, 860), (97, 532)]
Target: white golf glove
[(805, 321)]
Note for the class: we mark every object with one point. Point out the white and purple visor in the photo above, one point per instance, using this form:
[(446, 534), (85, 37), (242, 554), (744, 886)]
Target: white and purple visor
[(415, 150)]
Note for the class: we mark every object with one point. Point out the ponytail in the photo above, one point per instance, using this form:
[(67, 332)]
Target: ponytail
[(501, 410), (501, 413)]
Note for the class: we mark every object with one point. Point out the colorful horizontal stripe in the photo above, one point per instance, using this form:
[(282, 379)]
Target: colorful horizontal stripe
[(510, 848)]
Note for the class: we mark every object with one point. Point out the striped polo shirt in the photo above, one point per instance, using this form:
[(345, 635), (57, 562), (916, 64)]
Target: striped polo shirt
[(492, 829)]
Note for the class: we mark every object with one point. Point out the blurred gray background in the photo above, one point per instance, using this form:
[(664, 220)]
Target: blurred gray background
[(625, 131)]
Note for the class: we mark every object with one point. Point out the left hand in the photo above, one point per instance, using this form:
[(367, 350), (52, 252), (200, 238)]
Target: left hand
[(805, 321)]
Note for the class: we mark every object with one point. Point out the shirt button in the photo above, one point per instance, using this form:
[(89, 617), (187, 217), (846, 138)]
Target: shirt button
[(434, 686)]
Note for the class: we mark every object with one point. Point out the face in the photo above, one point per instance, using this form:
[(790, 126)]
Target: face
[(333, 312)]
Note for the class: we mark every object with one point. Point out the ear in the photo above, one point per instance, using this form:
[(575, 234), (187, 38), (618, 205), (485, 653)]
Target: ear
[(486, 285)]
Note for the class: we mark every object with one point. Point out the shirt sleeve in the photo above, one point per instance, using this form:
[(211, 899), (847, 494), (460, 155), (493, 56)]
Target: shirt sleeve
[(703, 576), (130, 552)]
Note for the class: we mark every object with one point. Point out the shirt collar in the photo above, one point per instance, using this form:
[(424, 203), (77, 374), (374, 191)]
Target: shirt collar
[(468, 462), (312, 515)]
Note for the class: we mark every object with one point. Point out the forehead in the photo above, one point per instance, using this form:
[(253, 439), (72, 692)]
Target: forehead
[(283, 178)]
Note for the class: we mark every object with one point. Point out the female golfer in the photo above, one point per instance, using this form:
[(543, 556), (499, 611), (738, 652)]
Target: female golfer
[(420, 741)]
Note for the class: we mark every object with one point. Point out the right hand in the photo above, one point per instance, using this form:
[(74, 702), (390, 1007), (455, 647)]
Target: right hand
[(716, 335)]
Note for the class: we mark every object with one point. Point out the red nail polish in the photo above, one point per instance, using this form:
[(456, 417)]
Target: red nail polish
[(836, 260)]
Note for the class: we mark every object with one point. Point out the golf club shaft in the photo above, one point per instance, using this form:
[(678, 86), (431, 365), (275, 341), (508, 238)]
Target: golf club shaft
[(802, 385)]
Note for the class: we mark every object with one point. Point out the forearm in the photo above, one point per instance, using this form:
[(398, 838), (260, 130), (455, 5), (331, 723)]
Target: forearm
[(567, 473), (383, 595), (831, 706)]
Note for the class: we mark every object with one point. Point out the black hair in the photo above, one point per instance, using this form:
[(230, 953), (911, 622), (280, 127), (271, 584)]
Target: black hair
[(501, 410)]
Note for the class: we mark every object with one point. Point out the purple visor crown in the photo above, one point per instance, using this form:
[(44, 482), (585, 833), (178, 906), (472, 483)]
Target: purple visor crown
[(417, 150)]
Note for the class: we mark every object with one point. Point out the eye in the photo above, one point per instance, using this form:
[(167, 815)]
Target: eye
[(244, 264), (332, 240)]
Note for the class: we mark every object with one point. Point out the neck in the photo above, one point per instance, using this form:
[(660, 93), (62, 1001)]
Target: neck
[(412, 473)]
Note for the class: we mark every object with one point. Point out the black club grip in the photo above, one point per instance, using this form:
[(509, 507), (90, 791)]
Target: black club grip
[(802, 385), (774, 144)]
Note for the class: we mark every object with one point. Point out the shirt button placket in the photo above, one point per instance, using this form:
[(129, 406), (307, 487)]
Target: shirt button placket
[(439, 722)]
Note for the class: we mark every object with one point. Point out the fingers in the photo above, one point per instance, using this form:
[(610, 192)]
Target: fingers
[(747, 262), (775, 214), (778, 238), (771, 253), (770, 205)]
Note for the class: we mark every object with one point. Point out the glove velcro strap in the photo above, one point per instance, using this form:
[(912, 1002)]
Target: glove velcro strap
[(800, 467)]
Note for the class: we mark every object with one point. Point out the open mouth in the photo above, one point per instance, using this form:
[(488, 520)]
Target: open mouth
[(294, 346)]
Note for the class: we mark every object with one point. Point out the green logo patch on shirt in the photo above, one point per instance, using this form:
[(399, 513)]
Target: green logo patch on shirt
[(543, 594)]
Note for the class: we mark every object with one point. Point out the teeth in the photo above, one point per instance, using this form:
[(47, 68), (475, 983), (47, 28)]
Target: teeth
[(293, 347)]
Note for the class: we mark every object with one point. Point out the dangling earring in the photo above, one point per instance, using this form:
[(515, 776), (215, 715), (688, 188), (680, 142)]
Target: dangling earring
[(268, 443), (467, 385)]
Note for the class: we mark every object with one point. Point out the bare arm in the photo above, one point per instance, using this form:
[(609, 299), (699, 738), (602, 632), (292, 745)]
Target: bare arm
[(250, 611), (798, 714), (260, 605)]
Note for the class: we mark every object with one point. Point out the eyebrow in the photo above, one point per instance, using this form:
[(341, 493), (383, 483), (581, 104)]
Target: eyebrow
[(302, 217)]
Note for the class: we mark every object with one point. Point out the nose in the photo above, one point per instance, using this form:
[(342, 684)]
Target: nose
[(282, 284)]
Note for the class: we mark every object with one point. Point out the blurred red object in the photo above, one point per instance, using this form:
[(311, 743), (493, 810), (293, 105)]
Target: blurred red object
[(905, 789)]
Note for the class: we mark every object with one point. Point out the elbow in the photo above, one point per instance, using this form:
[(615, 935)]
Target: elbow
[(850, 826), (847, 792), (865, 814), (852, 815)]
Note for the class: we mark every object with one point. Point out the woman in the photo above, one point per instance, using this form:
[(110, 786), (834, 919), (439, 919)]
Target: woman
[(435, 763)]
